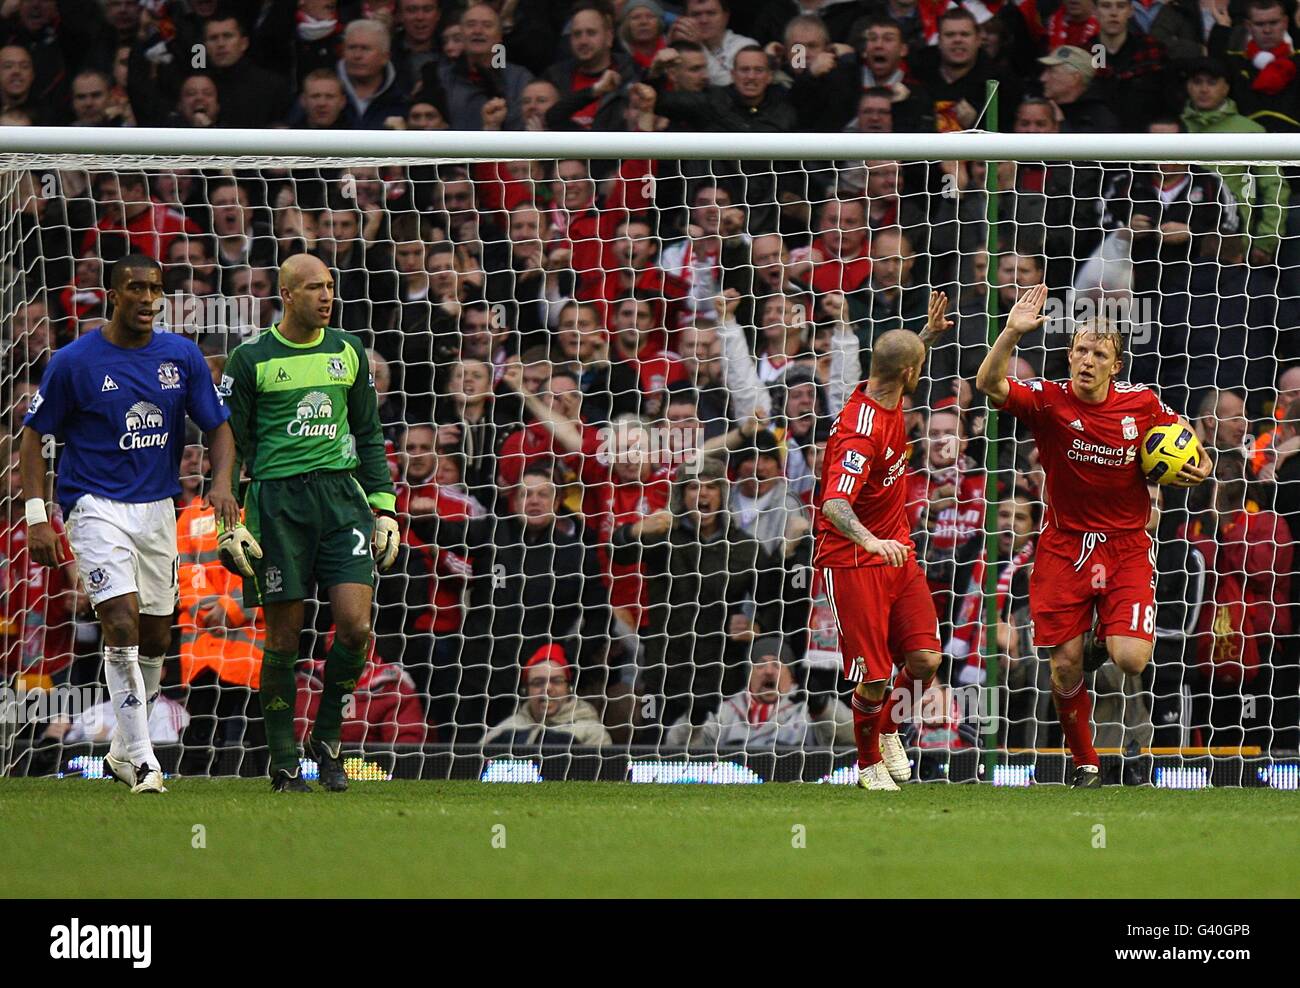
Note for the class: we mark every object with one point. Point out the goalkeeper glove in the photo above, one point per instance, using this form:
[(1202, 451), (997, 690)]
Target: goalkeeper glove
[(234, 546), (385, 540)]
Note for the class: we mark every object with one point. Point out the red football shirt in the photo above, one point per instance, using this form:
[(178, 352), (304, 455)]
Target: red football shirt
[(866, 456), (620, 503), (151, 232), (1089, 452), (835, 274)]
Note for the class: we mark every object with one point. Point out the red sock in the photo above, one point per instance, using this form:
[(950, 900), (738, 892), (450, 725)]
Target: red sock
[(1075, 711), (904, 701), (866, 728)]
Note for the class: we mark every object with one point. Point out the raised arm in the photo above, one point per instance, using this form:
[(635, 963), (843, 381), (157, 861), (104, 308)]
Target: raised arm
[(565, 433), (739, 372), (1025, 316), (846, 354)]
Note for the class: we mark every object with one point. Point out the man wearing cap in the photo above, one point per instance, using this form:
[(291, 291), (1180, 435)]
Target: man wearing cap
[(550, 712), (1066, 80), (1263, 197)]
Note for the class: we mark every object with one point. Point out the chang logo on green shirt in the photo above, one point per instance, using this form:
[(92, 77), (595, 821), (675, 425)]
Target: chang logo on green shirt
[(316, 405)]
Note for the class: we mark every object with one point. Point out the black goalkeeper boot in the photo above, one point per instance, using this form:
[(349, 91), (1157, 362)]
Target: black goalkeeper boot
[(1094, 651), (282, 781), (332, 775)]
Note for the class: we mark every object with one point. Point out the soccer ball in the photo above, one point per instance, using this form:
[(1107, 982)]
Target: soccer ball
[(1166, 449)]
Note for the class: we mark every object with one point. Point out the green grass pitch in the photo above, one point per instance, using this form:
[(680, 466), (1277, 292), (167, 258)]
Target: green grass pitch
[(84, 839)]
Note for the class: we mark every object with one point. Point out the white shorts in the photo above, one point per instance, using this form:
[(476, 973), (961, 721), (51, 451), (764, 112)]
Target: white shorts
[(125, 548)]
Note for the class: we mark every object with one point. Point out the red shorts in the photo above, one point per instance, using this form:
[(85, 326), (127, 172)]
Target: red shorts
[(1076, 572), (882, 613)]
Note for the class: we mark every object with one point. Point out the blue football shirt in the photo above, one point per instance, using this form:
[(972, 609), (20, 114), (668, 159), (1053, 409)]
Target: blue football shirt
[(121, 415)]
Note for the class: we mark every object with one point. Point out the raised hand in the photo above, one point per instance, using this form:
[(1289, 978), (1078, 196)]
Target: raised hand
[(937, 322), (607, 83), (1026, 315), (494, 113)]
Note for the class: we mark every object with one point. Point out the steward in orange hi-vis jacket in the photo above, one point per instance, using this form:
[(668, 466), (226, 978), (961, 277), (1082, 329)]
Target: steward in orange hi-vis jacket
[(217, 632)]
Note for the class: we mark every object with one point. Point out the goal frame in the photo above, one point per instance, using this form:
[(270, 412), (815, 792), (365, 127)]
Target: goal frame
[(31, 148)]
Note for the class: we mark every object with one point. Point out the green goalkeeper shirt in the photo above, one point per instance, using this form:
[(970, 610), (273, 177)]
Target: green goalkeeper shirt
[(300, 407)]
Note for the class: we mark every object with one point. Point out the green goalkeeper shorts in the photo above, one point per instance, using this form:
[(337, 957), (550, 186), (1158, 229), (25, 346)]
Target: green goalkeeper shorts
[(314, 529)]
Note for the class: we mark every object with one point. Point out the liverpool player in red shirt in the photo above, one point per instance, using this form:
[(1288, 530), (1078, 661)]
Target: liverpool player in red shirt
[(1094, 553), (882, 604)]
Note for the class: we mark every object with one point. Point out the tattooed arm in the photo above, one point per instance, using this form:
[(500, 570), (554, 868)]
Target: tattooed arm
[(840, 513)]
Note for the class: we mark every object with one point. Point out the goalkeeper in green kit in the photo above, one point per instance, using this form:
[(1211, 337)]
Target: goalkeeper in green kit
[(306, 423)]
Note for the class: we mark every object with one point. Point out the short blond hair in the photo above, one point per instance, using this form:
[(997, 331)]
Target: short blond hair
[(1100, 327)]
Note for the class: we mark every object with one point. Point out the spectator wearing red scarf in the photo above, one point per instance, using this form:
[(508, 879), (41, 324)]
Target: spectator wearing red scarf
[(1265, 81), (641, 31), (840, 255)]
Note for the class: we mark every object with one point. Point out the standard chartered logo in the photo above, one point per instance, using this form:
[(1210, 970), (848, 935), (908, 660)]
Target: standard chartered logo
[(142, 416), (314, 405)]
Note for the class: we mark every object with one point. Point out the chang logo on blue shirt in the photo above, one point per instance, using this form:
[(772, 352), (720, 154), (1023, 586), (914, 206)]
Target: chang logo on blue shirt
[(140, 417)]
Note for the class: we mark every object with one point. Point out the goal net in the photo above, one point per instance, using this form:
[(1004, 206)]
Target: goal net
[(606, 381)]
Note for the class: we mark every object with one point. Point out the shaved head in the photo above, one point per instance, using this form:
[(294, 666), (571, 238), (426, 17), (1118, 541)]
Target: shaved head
[(307, 290), (299, 268), (896, 353)]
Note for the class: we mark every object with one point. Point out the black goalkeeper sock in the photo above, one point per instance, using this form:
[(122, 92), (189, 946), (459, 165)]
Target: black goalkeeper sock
[(342, 670), (279, 692)]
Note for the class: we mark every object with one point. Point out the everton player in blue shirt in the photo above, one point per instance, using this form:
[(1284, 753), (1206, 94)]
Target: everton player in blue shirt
[(118, 398)]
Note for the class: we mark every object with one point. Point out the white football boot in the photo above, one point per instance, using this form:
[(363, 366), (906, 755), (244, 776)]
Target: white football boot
[(876, 777), (895, 756), (118, 765), (121, 769), (151, 780)]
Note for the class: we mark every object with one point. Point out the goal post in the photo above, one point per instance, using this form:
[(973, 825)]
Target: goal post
[(460, 254)]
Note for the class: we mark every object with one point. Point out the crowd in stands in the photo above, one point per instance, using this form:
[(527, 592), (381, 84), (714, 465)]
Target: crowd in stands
[(607, 385)]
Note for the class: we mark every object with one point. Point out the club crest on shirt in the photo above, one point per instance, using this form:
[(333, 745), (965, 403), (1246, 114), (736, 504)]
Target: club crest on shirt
[(169, 376), (1130, 427), (853, 461), (336, 368)]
